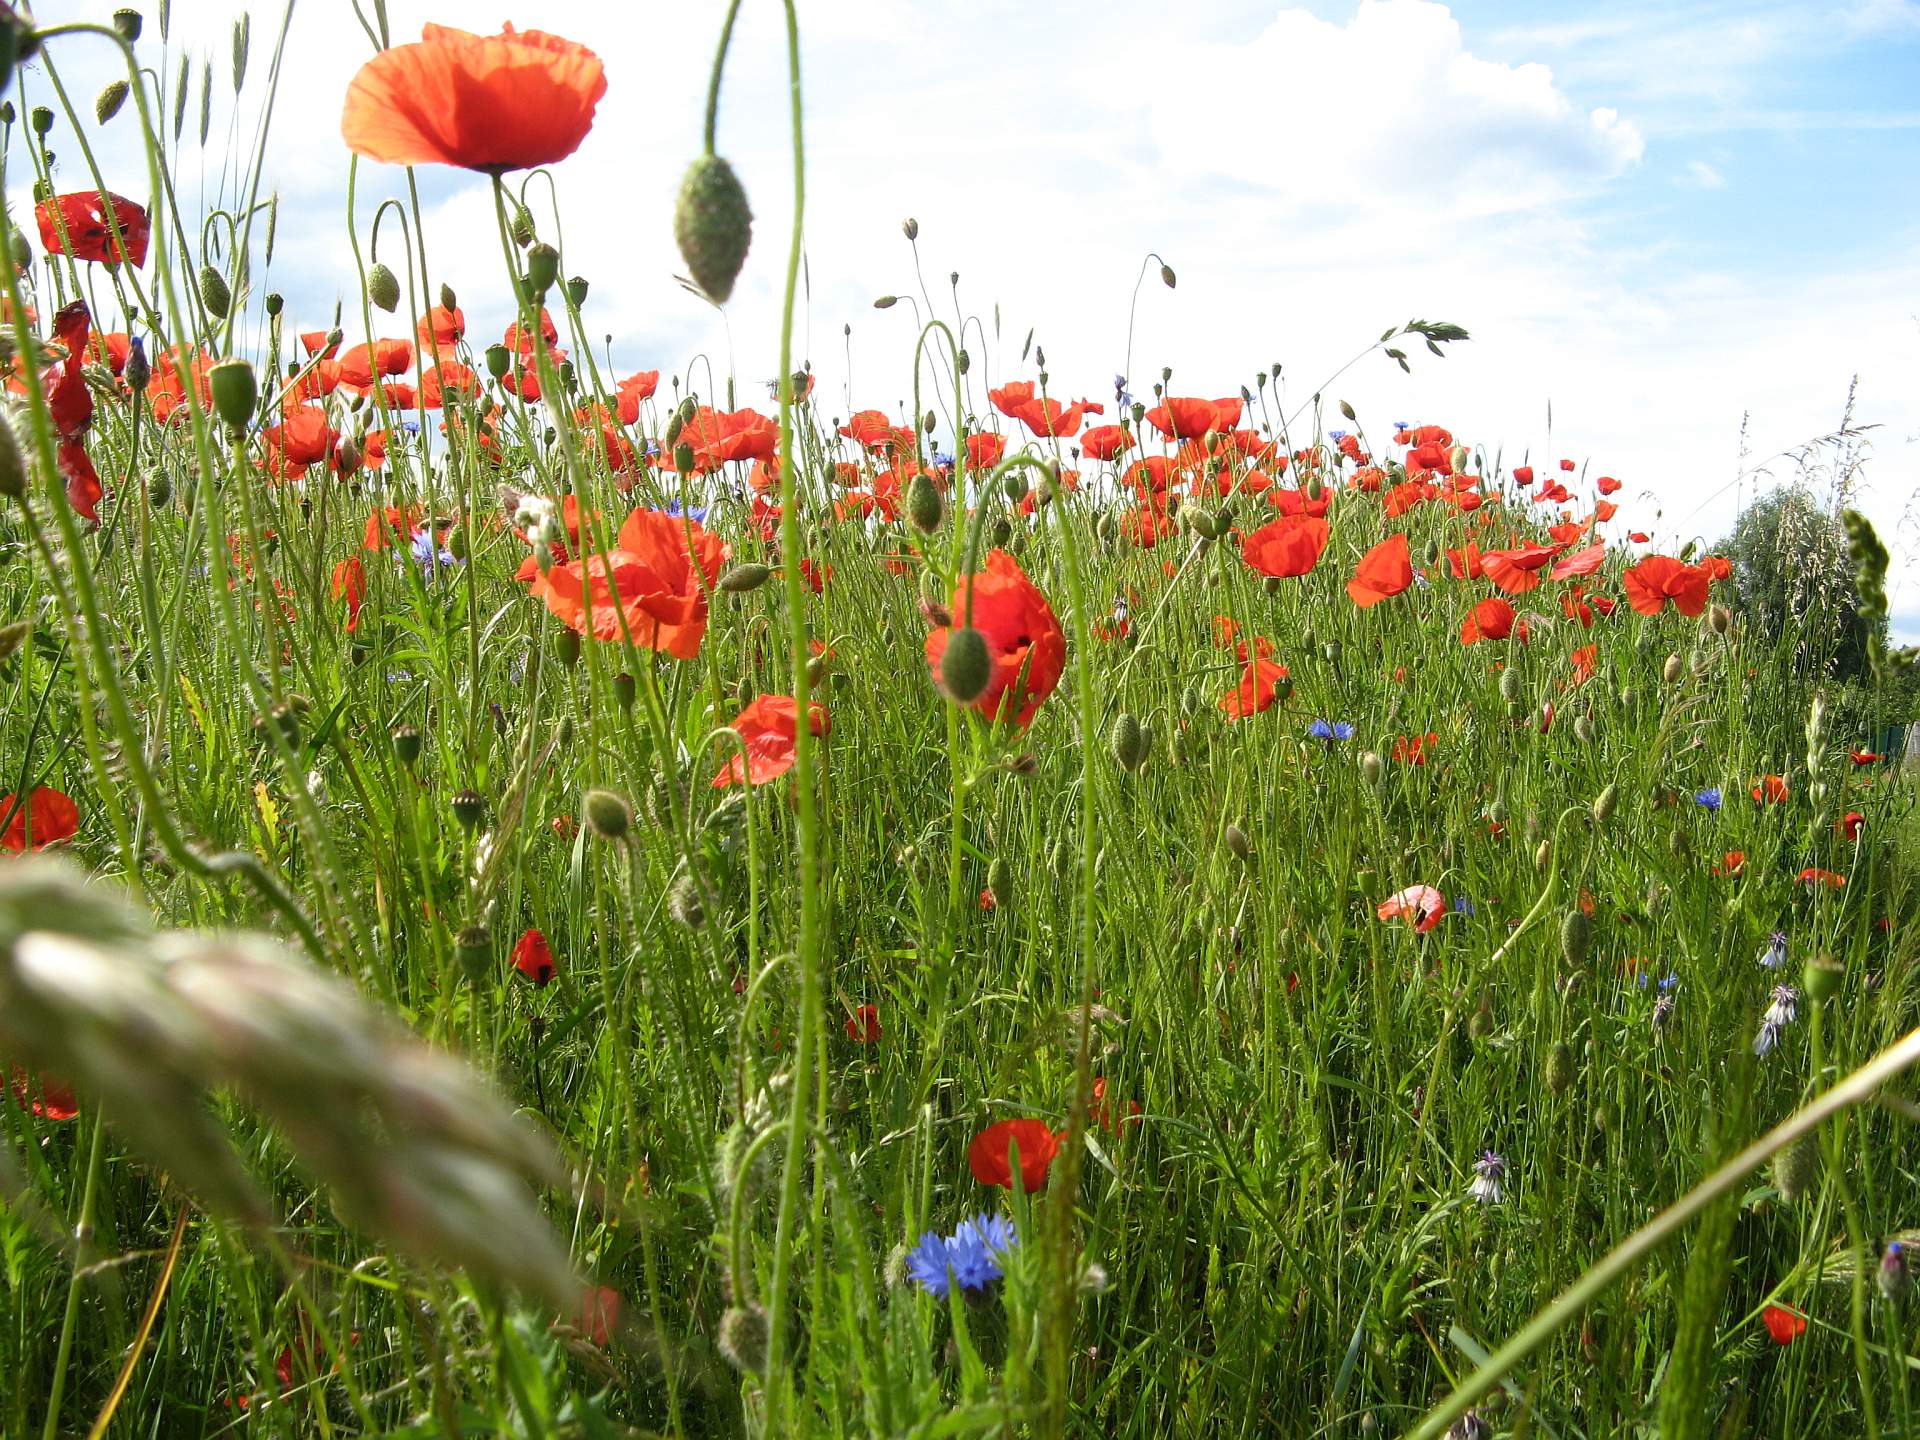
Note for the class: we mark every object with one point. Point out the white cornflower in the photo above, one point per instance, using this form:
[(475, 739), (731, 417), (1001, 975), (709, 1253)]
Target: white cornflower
[(1489, 1173)]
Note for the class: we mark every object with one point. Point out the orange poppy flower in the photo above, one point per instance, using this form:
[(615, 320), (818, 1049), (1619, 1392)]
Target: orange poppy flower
[(492, 103), (1732, 863), (1025, 645), (1492, 619), (990, 1156), (1770, 789), (1384, 571), (47, 818), (661, 568), (768, 729), (1288, 547), (1259, 687), (1660, 578)]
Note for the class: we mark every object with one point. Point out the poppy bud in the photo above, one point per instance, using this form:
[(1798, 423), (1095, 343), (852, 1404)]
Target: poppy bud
[(1821, 977), (13, 470), (962, 361), (1196, 519), (965, 667), (406, 744), (1128, 743), (448, 302), (127, 24), (1458, 459), (1238, 843), (347, 455), (234, 390), (1720, 618), (608, 814), (1480, 1025), (886, 302), (1583, 729), (1671, 671), (683, 903), (12, 637), (107, 103), (159, 489), (1603, 806), (543, 268), (1166, 274), (1371, 767), (1560, 1068), (383, 287), (468, 807), (924, 506), (577, 291), (214, 292), (910, 227), (1510, 690), (713, 226), (683, 459), (743, 578), (1000, 881), (1330, 652), (475, 949), (1347, 410), (522, 228), (569, 648), (21, 250), (1796, 1168), (1627, 697), (1014, 484), (1543, 855), (1576, 935), (743, 1338), (1001, 532)]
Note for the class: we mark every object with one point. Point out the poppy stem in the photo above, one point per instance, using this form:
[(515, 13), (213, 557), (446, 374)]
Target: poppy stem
[(713, 87)]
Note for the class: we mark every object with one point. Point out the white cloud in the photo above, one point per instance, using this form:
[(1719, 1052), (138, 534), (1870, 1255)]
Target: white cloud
[(1702, 176)]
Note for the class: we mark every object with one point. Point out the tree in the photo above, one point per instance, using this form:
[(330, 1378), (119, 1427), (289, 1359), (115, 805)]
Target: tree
[(1796, 585)]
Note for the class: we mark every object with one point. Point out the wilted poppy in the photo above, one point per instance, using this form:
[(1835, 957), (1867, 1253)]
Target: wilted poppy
[(1384, 571), (1026, 647), (47, 818), (532, 958), (992, 1163), (350, 585), (89, 236), (492, 103), (768, 730)]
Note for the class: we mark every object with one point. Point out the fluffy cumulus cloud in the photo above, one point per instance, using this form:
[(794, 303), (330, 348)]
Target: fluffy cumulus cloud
[(1388, 103)]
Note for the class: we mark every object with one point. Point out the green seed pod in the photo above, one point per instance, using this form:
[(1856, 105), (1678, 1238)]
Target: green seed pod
[(127, 23), (1561, 1070), (41, 119), (1576, 936), (1014, 484), (577, 291), (966, 667), (1796, 1168), (1001, 533), (13, 469), (1604, 804), (1127, 743), (214, 292), (743, 578), (683, 459), (1821, 978), (474, 947), (543, 268), (1330, 652), (107, 103), (235, 391), (1238, 844), (1000, 881), (383, 287), (406, 744), (469, 806), (276, 302), (498, 360), (608, 814), (1510, 686), (743, 1338), (713, 226), (924, 505), (568, 647)]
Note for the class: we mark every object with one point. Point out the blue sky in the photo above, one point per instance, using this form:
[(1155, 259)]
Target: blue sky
[(1671, 226)]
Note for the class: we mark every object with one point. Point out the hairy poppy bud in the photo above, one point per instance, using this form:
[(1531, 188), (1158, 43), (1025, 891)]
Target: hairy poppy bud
[(1458, 458), (1014, 484), (1238, 843), (1720, 618), (910, 227), (1583, 729), (1821, 978), (1347, 410), (127, 24), (347, 455), (474, 946), (962, 361), (1796, 1168), (569, 648), (886, 302), (448, 301), (107, 103), (1576, 935), (13, 636), (684, 905), (1196, 519), (1671, 671), (924, 506), (159, 489), (1603, 805), (1560, 1068), (1166, 275), (1480, 1024), (383, 287), (13, 470), (713, 226), (21, 250), (683, 459), (1542, 855), (214, 292), (234, 390), (1000, 881), (1128, 743), (965, 667), (522, 228), (743, 578), (743, 1338), (468, 807), (1001, 533), (608, 814), (1510, 690), (543, 268), (1371, 767), (406, 744)]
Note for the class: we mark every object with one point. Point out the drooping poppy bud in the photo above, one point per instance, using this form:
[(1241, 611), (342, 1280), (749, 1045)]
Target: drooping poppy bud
[(383, 287), (214, 292), (608, 814), (966, 667), (924, 506), (743, 578), (107, 103), (1128, 743), (713, 226), (543, 268), (1576, 936), (1796, 1168), (1560, 1071)]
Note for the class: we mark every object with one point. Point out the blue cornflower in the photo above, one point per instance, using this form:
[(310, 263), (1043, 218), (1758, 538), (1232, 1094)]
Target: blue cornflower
[(1336, 436), (1709, 798), (943, 459), (1775, 955), (927, 1264), (695, 513), (427, 552), (1330, 730), (1121, 395), (412, 427), (968, 1258), (1462, 905), (1401, 425)]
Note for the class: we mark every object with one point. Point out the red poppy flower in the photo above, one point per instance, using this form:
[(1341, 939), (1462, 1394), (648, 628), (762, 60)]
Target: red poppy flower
[(350, 585), (1412, 750), (598, 1319), (1849, 824), (1770, 789), (532, 958), (985, 450), (1732, 863), (1288, 547), (1187, 417), (43, 1096), (1105, 1117), (1865, 757), (990, 1154), (441, 328), (1105, 442), (768, 729), (47, 818), (83, 215), (1421, 904), (661, 570), (721, 436), (1046, 416), (303, 438), (1517, 570), (630, 392), (1812, 876), (1580, 562), (1384, 571), (1259, 687), (1638, 537), (1660, 578), (864, 1025), (1492, 619), (1783, 1324), (449, 380), (1606, 485), (483, 102), (363, 364), (1025, 644), (1008, 398)]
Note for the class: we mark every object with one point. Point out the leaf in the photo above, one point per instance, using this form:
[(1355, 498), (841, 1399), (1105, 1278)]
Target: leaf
[(269, 812)]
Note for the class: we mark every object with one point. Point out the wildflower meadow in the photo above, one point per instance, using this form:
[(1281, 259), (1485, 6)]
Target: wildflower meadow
[(542, 900)]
